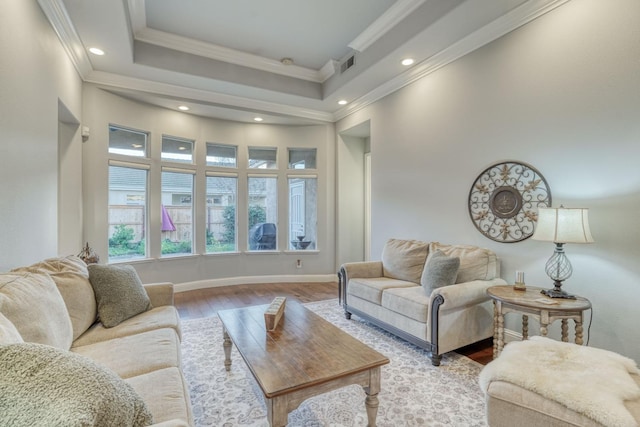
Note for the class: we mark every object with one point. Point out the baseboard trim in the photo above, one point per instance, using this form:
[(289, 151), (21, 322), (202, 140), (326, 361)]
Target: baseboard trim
[(510, 335), (246, 280)]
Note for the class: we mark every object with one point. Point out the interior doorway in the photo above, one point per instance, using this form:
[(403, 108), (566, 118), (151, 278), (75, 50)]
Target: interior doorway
[(353, 215)]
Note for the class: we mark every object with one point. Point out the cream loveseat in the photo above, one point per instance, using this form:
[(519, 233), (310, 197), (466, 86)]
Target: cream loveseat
[(420, 292), (61, 366)]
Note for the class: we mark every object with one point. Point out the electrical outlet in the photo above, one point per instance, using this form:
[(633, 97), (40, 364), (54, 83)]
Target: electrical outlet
[(299, 263)]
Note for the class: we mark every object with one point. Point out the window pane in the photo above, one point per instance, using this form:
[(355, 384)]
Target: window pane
[(263, 158), (303, 198), (221, 214), (263, 213), (127, 142), (177, 150), (127, 213), (302, 158), (177, 213), (221, 155)]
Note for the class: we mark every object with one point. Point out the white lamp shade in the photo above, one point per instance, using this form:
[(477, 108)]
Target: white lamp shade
[(563, 225)]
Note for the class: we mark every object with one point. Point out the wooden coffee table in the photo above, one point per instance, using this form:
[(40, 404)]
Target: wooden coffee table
[(304, 356)]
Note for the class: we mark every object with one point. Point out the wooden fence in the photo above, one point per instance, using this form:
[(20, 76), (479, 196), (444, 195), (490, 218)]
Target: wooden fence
[(182, 217)]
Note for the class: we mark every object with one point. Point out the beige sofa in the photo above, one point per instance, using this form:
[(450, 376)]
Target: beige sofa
[(49, 318), (392, 294)]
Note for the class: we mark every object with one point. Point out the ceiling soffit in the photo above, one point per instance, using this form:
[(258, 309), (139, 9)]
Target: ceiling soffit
[(298, 91)]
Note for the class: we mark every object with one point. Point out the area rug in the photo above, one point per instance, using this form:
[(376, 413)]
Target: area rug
[(414, 392)]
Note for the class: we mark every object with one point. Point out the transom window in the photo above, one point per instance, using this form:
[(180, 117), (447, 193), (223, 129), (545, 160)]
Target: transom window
[(221, 155), (302, 158), (177, 150), (263, 158), (127, 142)]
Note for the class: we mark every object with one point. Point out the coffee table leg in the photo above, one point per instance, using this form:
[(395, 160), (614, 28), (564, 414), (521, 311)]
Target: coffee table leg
[(227, 349), (277, 414), (371, 401)]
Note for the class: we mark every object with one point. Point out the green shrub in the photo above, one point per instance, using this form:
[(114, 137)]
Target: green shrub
[(121, 237)]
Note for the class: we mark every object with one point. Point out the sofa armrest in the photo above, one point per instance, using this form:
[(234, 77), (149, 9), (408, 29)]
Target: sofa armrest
[(160, 293), (365, 269), (464, 294)]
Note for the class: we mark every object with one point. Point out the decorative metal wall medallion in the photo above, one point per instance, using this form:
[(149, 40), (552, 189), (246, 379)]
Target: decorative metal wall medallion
[(504, 201)]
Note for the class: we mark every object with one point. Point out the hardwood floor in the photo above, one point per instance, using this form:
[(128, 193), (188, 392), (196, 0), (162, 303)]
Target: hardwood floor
[(206, 303)]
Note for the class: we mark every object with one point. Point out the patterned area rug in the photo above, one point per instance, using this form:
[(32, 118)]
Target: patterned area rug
[(414, 393)]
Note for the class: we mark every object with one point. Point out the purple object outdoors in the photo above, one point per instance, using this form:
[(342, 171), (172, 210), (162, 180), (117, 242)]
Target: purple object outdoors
[(167, 223)]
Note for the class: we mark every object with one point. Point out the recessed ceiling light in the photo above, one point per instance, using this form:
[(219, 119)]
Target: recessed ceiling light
[(182, 148), (96, 51), (407, 61), (342, 102), (136, 145), (258, 119), (183, 108)]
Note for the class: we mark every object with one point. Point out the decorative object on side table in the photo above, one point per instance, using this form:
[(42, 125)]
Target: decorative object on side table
[(519, 284), (561, 225), (504, 199), (88, 255)]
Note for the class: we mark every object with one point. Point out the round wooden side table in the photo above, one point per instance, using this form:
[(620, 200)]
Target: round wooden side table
[(530, 302)]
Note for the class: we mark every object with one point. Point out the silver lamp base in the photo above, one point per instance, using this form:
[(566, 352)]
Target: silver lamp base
[(558, 268), (557, 293)]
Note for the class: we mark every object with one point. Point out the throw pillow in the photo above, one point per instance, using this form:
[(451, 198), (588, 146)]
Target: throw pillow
[(475, 263), (119, 293), (404, 259), (72, 279), (439, 270), (34, 305), (8, 332), (42, 385)]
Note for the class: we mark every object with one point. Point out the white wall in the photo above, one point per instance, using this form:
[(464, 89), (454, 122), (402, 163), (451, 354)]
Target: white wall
[(35, 75), (562, 94), (102, 108)]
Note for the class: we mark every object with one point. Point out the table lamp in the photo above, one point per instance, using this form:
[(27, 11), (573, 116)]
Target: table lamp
[(561, 225)]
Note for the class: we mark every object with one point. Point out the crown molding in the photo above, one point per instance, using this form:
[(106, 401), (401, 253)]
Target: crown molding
[(204, 96), (396, 13), (512, 20), (137, 15), (57, 15), (328, 69), (225, 54)]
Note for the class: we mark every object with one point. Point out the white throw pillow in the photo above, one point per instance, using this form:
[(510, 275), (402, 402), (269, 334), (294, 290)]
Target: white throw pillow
[(34, 305), (8, 332)]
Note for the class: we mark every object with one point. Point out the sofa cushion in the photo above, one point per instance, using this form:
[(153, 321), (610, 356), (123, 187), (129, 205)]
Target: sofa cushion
[(119, 293), (34, 305), (135, 354), (475, 263), (71, 276), (371, 289), (42, 385), (411, 302), (404, 259), (8, 332), (166, 394), (156, 318), (439, 270)]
